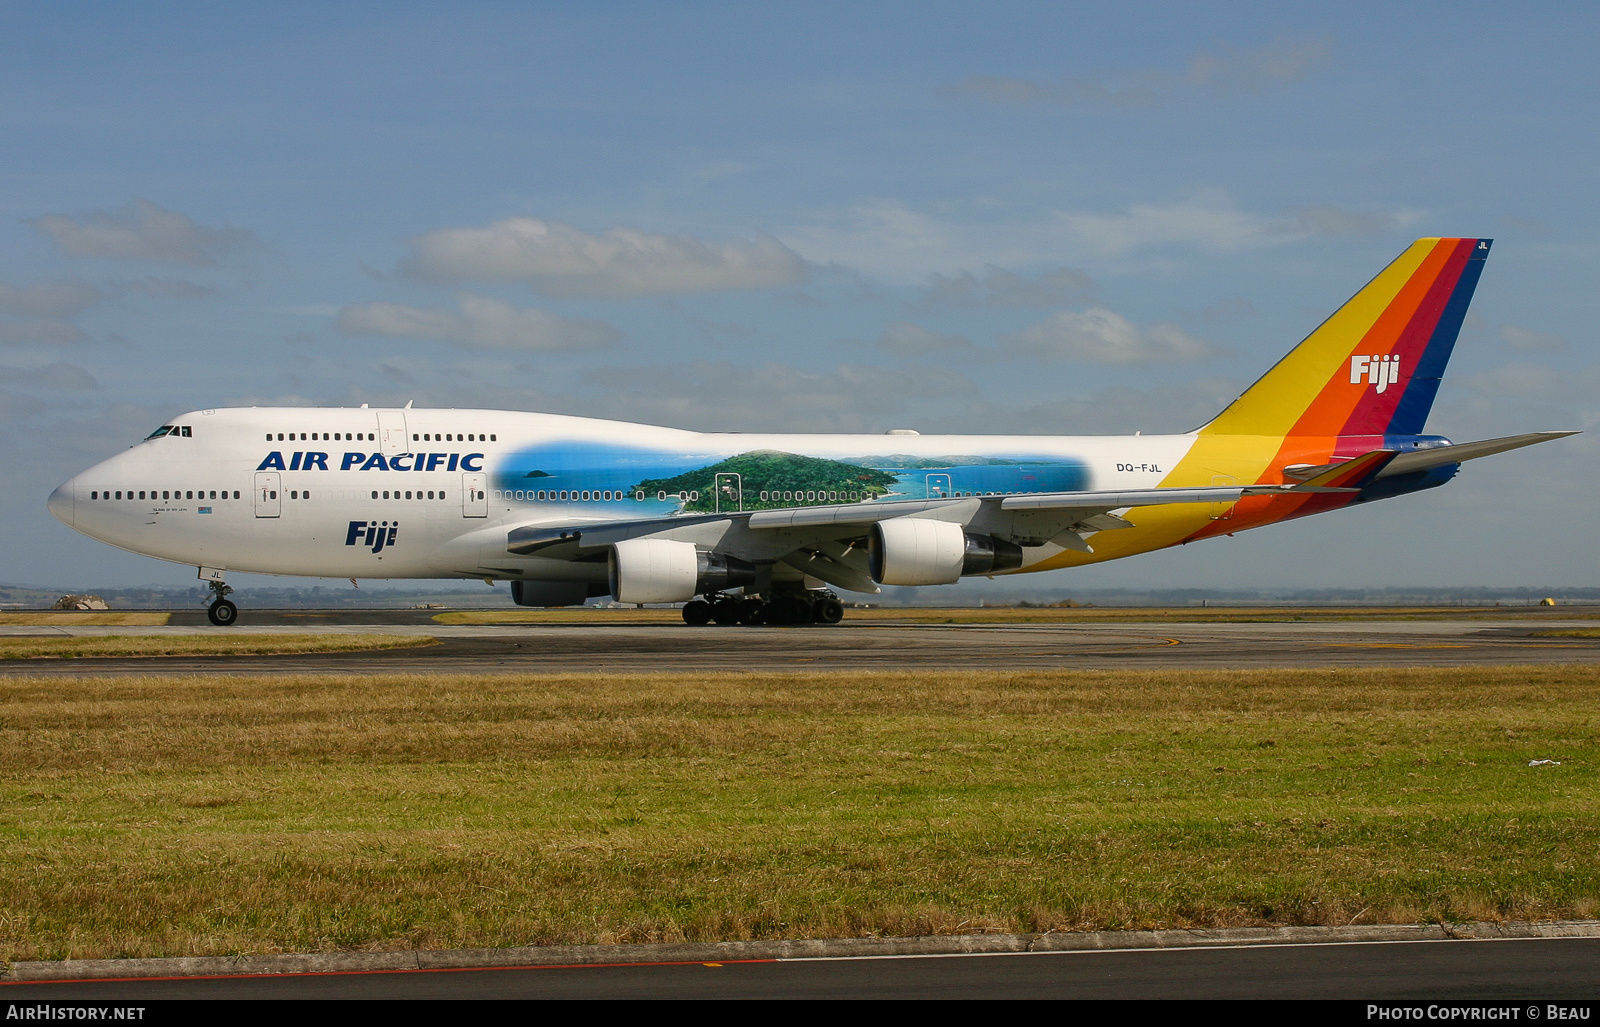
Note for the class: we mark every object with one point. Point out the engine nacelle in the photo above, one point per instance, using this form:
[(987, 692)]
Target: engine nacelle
[(658, 570), (914, 551)]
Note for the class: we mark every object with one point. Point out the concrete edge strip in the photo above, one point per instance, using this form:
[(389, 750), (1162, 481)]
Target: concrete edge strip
[(732, 951)]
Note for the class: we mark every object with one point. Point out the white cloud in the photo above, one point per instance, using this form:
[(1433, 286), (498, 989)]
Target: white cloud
[(49, 376), (480, 323), (169, 288), (1127, 89), (1211, 221), (1227, 70), (1537, 382), (722, 396), (896, 243), (1115, 411), (1102, 336), (912, 340), (1229, 309), (1001, 288), (48, 299), (889, 240), (1321, 219), (1527, 341), (1280, 62), (555, 259), (148, 232), (1525, 397), (48, 331)]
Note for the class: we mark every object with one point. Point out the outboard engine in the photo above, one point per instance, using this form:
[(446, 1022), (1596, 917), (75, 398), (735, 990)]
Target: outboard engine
[(658, 570), (917, 551)]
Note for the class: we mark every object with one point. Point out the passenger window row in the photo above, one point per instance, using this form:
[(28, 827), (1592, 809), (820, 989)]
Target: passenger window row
[(407, 494), (336, 437), (572, 495), (810, 497), (353, 436), (169, 494)]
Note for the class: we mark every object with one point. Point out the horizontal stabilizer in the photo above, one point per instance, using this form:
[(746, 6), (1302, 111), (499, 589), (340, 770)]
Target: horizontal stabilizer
[(1424, 459)]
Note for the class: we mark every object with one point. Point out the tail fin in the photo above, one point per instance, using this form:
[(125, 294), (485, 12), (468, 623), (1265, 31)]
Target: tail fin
[(1374, 366)]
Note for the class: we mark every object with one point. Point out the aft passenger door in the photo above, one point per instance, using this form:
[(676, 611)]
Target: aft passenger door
[(266, 501), (474, 497)]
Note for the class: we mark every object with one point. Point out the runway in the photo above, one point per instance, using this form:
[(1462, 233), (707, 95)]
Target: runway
[(875, 645), (1512, 971)]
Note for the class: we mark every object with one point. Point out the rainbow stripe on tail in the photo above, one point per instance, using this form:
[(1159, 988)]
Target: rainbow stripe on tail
[(1373, 368)]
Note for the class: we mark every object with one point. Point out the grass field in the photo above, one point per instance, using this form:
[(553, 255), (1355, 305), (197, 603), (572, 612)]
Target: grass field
[(207, 815), (1569, 633), (25, 648), (1058, 615)]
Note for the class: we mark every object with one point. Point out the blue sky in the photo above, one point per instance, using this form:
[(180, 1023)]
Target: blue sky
[(953, 217)]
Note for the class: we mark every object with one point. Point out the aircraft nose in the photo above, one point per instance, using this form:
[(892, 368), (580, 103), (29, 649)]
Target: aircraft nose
[(61, 502)]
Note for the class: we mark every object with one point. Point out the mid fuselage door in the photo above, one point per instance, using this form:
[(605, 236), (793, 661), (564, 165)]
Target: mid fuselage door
[(727, 491), (939, 486), (474, 495), (266, 502), (392, 432)]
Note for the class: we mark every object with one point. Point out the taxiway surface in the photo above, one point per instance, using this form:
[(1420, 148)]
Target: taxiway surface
[(1513, 971), (875, 645)]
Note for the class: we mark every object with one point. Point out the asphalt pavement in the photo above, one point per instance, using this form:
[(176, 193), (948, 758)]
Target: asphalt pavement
[(565, 648), (1514, 971)]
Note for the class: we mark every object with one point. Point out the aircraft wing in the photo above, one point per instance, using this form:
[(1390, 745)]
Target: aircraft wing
[(850, 519)]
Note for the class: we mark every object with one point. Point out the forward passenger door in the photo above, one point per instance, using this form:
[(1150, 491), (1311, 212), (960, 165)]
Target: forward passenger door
[(266, 498), (474, 495)]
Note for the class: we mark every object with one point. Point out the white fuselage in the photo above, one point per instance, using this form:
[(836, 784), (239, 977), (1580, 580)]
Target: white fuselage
[(364, 493)]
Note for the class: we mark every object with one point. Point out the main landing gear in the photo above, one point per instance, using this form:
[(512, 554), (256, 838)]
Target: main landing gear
[(811, 606), (222, 612)]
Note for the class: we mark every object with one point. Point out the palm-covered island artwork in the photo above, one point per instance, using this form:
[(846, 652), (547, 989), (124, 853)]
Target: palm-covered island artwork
[(767, 479)]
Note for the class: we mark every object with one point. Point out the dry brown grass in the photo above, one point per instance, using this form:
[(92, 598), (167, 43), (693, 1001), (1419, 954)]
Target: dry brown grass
[(66, 618), (168, 816), (83, 647), (1569, 633)]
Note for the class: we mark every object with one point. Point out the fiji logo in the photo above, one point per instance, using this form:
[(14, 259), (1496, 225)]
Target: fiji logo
[(1382, 371), (372, 534)]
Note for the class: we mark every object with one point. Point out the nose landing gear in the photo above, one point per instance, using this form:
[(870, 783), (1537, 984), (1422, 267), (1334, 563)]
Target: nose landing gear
[(221, 612)]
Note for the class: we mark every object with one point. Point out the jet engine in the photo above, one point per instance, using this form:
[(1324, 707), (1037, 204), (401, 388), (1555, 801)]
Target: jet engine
[(916, 551), (658, 570)]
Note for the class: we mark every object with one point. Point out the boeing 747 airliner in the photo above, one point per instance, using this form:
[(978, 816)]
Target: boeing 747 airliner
[(754, 529)]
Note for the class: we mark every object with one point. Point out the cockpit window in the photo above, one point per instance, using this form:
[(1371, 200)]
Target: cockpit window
[(165, 429), (187, 431)]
